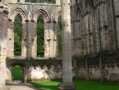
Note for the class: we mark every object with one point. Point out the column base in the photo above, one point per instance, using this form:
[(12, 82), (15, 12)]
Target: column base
[(4, 88), (66, 87)]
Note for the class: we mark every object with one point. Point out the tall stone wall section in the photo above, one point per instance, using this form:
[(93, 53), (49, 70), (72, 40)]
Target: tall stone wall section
[(95, 38), (3, 45), (30, 13)]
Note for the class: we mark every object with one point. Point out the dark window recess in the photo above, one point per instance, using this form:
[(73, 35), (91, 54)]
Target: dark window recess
[(18, 0)]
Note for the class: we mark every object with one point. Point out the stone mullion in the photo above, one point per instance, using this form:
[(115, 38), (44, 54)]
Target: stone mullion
[(29, 44), (87, 32), (81, 36), (24, 40), (97, 30), (107, 45), (51, 39), (101, 25), (76, 37), (34, 39), (10, 39), (104, 26), (91, 32), (55, 38), (111, 26), (46, 40), (82, 28)]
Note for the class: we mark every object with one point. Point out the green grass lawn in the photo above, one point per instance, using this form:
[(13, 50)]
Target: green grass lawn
[(80, 85)]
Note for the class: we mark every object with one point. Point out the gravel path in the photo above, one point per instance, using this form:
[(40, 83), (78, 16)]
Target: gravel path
[(22, 87)]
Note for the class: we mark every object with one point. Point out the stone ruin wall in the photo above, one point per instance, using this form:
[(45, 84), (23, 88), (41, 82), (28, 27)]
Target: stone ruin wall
[(95, 43), (95, 38)]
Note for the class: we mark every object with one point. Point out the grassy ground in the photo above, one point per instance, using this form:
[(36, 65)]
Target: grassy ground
[(80, 85)]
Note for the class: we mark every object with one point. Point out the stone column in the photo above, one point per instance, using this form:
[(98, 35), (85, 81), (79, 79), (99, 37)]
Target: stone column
[(46, 40), (34, 39), (51, 32), (24, 39), (10, 39), (67, 53), (3, 47), (29, 25), (55, 40), (31, 39)]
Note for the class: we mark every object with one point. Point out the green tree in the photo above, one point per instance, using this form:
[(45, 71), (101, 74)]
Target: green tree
[(17, 35), (40, 33), (40, 37)]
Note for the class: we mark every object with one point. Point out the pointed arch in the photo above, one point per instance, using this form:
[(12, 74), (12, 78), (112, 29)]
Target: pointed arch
[(57, 16), (42, 13), (17, 11)]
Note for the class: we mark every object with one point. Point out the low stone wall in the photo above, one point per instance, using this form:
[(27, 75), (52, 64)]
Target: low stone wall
[(91, 68), (44, 73), (105, 67)]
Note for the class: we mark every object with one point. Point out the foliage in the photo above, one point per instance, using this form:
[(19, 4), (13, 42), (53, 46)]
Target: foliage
[(80, 85), (17, 73), (40, 37), (17, 35)]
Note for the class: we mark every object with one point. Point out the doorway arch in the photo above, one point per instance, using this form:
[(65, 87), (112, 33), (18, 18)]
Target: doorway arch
[(17, 73)]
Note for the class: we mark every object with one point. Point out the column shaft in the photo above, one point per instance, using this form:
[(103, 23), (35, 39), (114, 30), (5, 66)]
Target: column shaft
[(29, 26), (46, 40), (51, 32), (3, 47), (66, 46), (24, 39), (10, 39), (34, 39)]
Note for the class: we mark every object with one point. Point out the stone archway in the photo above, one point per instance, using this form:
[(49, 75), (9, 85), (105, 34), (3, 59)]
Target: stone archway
[(10, 33), (17, 73), (46, 20)]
